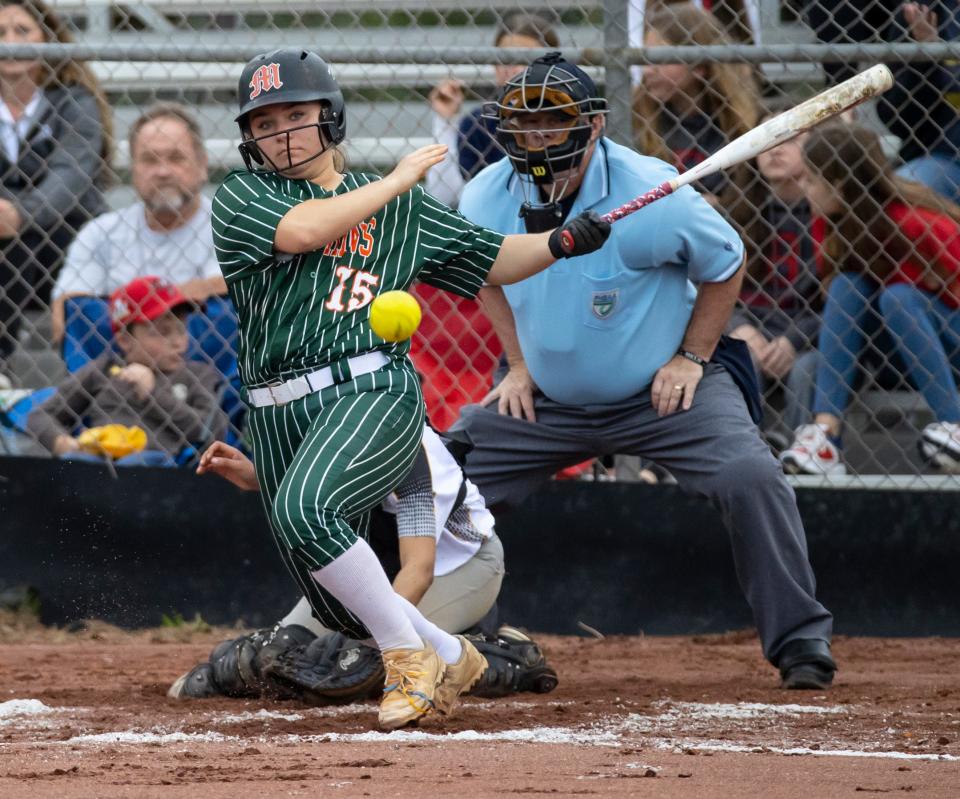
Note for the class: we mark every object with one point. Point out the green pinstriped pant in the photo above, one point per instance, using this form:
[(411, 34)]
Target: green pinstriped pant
[(323, 462)]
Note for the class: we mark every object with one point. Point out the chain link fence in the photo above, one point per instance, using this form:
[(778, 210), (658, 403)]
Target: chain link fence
[(851, 318)]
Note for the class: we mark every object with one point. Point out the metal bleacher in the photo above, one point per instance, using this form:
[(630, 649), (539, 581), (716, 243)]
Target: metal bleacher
[(387, 110), (387, 114)]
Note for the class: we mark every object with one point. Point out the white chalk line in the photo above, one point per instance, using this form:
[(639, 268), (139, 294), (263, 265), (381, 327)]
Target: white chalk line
[(803, 750), (540, 735), (24, 707), (742, 710), (133, 737), (611, 733), (260, 715)]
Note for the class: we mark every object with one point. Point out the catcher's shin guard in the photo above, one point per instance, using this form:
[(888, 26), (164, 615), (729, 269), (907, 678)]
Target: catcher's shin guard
[(237, 667), (514, 663), (218, 676), (197, 683)]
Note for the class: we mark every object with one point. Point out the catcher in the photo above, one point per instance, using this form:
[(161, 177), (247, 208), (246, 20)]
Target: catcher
[(451, 568), (142, 402)]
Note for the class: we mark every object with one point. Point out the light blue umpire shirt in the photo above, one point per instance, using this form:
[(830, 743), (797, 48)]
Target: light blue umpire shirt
[(596, 328)]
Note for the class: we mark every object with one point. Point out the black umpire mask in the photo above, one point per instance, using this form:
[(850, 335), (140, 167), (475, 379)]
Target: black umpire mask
[(544, 125)]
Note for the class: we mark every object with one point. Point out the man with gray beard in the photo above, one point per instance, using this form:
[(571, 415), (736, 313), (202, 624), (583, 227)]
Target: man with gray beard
[(166, 233)]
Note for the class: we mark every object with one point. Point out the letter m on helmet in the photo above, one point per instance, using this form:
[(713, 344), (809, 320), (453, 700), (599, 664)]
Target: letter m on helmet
[(267, 77)]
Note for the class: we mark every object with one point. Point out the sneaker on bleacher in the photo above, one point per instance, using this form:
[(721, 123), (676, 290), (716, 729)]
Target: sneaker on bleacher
[(812, 452), (940, 444)]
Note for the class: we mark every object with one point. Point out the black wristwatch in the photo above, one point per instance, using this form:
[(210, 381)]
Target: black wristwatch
[(692, 356)]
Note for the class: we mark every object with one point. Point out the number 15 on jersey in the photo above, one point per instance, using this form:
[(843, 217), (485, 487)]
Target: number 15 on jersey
[(360, 290)]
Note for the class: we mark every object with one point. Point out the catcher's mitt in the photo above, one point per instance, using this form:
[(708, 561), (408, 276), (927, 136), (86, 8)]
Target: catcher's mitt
[(240, 666), (236, 667), (113, 440), (331, 669), (514, 663)]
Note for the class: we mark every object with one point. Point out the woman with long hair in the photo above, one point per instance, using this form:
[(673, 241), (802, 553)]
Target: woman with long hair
[(683, 113), (778, 313), (55, 141), (891, 259)]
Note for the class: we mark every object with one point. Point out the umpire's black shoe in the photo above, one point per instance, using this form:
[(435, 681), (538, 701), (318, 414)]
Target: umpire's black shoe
[(806, 663)]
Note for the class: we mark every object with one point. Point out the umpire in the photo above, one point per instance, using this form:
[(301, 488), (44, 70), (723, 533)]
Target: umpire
[(619, 351)]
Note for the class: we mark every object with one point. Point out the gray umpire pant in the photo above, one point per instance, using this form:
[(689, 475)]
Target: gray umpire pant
[(714, 450)]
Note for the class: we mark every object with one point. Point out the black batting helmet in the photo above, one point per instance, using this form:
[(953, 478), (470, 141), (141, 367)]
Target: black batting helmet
[(549, 84), (289, 75)]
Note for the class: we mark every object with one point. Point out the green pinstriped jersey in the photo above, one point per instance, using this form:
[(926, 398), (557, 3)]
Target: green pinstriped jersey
[(301, 312)]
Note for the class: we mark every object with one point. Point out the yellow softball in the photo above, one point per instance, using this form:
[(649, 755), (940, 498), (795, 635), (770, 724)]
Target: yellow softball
[(395, 315)]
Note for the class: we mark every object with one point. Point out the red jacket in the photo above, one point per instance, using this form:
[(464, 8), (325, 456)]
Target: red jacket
[(935, 236)]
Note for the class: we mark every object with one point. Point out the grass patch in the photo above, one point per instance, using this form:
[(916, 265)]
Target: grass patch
[(174, 620)]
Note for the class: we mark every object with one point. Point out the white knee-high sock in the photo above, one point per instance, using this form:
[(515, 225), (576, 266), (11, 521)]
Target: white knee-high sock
[(447, 646), (357, 581)]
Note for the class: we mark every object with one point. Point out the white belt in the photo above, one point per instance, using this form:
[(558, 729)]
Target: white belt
[(299, 387)]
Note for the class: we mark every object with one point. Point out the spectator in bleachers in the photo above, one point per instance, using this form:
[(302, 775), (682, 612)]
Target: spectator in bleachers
[(455, 348), (847, 22), (55, 141), (778, 314), (470, 138), (739, 19), (166, 232), (144, 382), (684, 113), (922, 107), (891, 253)]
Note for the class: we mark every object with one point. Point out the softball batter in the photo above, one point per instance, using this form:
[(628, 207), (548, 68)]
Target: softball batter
[(336, 412)]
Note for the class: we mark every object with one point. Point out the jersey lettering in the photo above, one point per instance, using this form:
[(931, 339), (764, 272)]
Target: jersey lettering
[(366, 233), (332, 247), (358, 240), (360, 293)]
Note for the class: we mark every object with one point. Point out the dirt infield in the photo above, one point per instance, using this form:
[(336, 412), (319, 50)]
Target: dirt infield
[(85, 715)]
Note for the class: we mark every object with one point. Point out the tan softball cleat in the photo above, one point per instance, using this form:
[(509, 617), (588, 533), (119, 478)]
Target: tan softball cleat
[(459, 677), (411, 684)]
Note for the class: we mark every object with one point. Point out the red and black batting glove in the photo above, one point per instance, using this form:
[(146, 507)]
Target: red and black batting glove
[(582, 234)]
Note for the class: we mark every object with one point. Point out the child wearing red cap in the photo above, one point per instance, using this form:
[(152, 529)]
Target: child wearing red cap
[(144, 381)]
